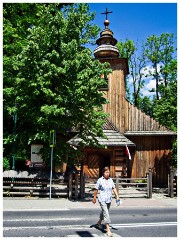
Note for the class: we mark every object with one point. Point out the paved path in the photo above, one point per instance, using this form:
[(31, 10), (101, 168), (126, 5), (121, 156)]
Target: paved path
[(62, 203)]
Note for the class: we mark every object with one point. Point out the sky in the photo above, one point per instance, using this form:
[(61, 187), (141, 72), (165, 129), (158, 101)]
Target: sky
[(137, 21)]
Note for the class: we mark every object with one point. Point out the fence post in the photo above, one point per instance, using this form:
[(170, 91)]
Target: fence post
[(84, 177), (117, 184), (81, 180), (70, 185), (168, 184), (147, 175), (150, 183), (76, 186), (81, 185), (171, 181)]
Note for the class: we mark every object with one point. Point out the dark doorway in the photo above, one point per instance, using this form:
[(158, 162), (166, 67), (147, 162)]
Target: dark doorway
[(104, 161)]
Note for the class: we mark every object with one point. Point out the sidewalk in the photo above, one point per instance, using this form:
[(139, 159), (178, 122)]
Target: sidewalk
[(65, 204)]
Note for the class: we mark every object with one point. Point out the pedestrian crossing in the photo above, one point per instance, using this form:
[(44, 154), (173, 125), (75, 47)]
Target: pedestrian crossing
[(81, 224), (79, 229)]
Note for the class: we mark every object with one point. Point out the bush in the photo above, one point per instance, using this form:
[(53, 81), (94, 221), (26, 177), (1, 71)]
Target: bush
[(6, 164), (140, 181)]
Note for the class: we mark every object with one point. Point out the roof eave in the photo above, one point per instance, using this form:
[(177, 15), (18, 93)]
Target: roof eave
[(150, 133)]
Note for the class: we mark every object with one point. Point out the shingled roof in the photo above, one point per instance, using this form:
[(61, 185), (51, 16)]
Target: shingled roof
[(113, 137)]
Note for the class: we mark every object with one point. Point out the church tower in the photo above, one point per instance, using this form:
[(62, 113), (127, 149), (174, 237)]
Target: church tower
[(107, 51)]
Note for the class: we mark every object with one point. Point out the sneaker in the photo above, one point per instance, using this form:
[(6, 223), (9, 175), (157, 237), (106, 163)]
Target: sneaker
[(109, 234)]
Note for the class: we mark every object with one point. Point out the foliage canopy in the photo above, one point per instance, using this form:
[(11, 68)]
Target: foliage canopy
[(55, 81)]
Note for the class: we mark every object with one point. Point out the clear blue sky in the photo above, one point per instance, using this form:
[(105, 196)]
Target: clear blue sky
[(136, 21)]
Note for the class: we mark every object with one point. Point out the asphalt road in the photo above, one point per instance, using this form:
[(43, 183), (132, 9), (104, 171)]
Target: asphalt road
[(130, 222)]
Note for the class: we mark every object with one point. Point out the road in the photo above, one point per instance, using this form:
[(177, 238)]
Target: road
[(126, 222)]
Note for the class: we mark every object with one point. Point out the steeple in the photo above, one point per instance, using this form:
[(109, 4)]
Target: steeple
[(106, 43)]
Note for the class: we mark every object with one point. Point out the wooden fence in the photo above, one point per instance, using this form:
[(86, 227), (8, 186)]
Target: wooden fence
[(32, 187), (74, 188), (141, 184)]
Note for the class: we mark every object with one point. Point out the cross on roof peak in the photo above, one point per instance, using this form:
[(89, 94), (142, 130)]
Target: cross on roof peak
[(106, 12)]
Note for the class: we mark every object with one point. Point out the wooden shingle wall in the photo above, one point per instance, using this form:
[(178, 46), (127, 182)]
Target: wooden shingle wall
[(136, 120), (154, 152), (127, 117)]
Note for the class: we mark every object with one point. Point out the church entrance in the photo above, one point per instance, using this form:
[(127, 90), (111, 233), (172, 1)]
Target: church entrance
[(104, 161)]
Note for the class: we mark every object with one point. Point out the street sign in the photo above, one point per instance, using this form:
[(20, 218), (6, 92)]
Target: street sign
[(52, 138)]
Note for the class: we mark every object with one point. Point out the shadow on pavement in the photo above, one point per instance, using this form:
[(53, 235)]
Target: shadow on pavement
[(102, 229), (84, 233)]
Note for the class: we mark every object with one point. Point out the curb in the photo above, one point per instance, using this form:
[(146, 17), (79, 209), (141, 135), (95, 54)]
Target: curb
[(65, 204)]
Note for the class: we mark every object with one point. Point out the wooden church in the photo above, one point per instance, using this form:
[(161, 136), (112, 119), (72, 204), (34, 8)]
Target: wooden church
[(149, 143)]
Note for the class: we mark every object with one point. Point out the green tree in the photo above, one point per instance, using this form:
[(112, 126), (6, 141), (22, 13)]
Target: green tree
[(57, 82), (159, 52), (165, 109), (17, 18), (6, 164), (146, 105)]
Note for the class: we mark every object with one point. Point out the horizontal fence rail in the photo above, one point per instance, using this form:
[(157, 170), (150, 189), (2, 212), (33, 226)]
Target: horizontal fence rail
[(74, 188), (78, 186), (33, 187), (141, 184)]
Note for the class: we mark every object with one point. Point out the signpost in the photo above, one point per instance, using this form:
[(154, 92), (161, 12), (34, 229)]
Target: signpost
[(14, 146), (51, 144)]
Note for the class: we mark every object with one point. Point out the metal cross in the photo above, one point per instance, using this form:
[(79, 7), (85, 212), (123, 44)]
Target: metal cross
[(106, 12)]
